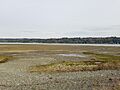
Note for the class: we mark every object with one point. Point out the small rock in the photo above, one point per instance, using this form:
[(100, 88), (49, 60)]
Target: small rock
[(110, 79), (50, 77)]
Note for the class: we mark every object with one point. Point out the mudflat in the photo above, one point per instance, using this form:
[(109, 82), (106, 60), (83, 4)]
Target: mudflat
[(59, 67)]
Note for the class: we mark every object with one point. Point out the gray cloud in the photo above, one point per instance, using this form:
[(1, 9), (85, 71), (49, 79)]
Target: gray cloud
[(59, 18)]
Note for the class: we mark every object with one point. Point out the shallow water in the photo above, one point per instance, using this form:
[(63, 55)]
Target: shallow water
[(114, 45), (73, 55)]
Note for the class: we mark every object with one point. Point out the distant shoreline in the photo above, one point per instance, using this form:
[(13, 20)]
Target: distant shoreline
[(78, 40)]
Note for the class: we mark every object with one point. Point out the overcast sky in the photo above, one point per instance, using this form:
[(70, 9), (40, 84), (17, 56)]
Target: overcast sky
[(59, 18)]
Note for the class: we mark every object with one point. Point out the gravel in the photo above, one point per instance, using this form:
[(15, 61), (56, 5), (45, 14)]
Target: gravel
[(14, 75)]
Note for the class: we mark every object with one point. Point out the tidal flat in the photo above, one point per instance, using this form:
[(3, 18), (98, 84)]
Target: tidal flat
[(59, 67)]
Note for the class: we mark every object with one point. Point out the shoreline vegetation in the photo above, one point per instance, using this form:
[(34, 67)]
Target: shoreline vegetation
[(77, 40), (101, 62), (95, 58)]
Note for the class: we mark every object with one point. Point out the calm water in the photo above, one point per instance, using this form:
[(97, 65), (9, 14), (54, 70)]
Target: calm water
[(74, 55), (116, 45)]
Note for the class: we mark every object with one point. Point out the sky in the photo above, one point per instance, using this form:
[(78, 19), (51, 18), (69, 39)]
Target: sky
[(59, 18)]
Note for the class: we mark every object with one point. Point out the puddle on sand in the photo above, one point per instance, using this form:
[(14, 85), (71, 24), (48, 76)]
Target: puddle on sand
[(71, 55)]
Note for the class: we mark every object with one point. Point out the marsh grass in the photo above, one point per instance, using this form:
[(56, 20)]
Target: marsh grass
[(4, 59), (102, 62), (72, 66), (62, 67), (104, 57)]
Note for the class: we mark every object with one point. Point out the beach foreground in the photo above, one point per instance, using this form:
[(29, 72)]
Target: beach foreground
[(59, 67)]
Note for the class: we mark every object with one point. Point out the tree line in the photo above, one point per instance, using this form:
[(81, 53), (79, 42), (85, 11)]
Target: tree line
[(78, 40)]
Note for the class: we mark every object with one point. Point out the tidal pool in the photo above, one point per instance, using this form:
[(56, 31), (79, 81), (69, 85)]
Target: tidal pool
[(72, 55)]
